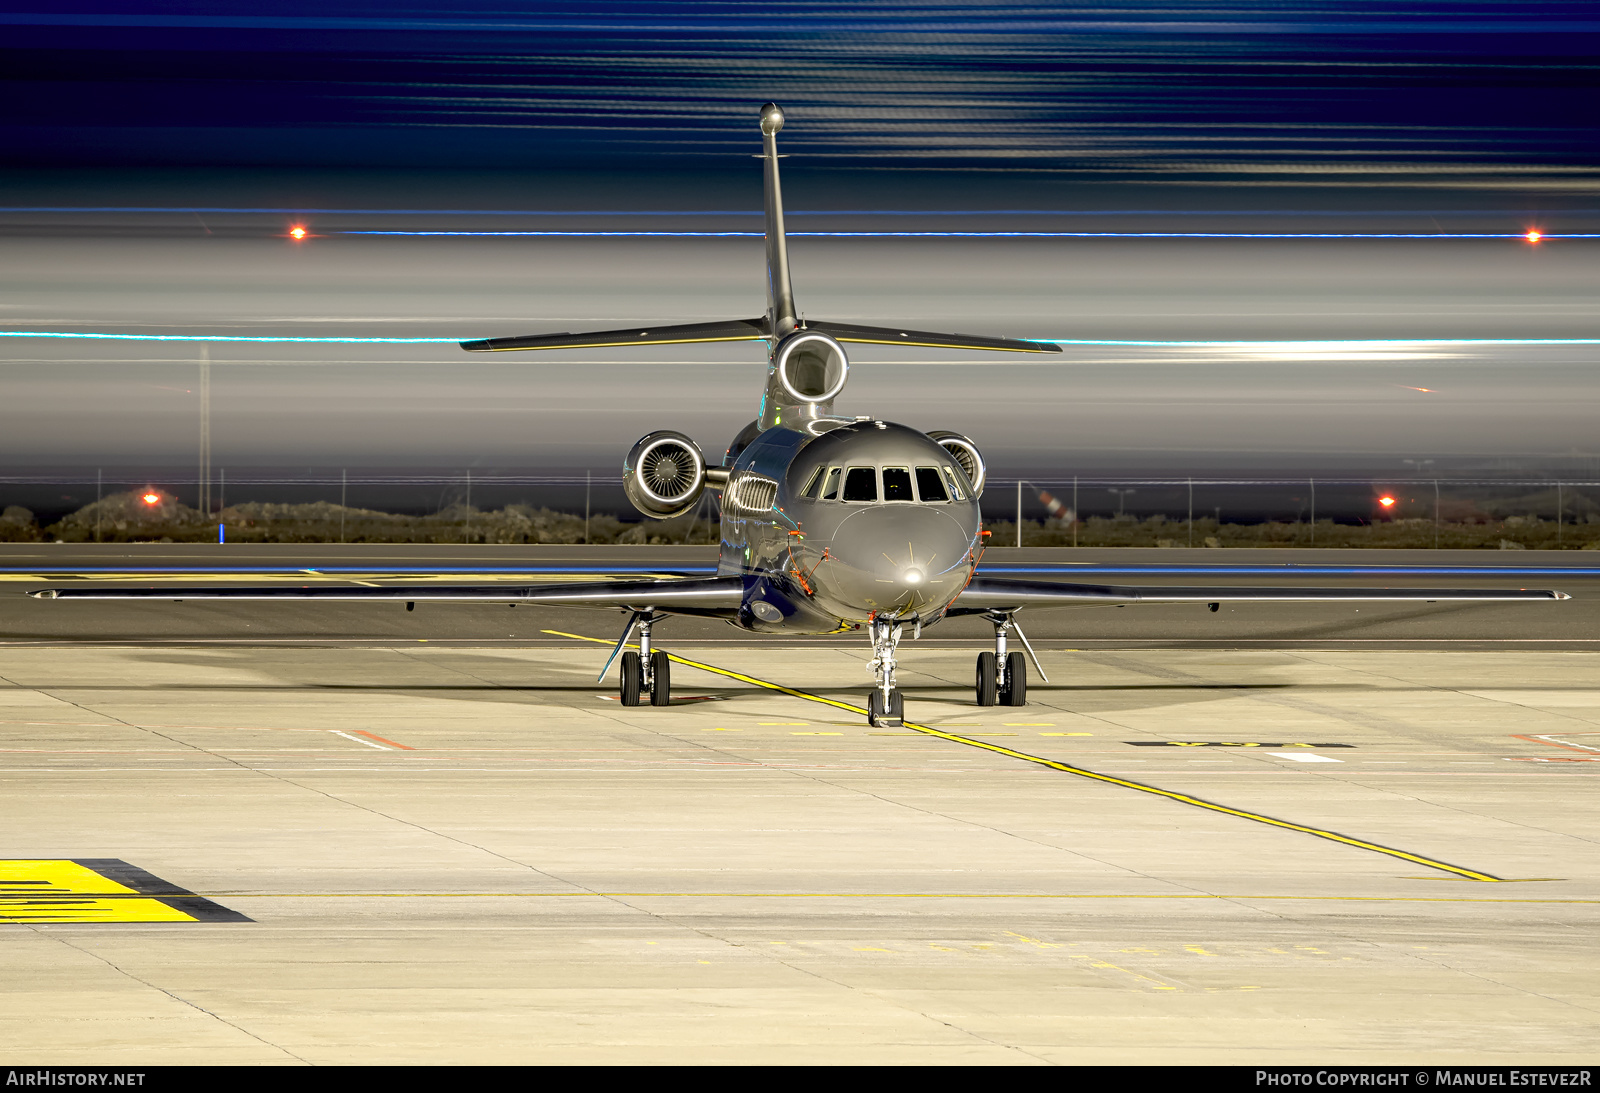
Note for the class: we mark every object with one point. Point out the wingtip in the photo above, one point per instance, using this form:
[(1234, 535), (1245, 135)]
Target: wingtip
[(482, 345), (44, 594), (1560, 596)]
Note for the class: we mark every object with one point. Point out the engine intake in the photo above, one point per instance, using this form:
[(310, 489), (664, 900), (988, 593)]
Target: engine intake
[(664, 474), (811, 367), (966, 455)]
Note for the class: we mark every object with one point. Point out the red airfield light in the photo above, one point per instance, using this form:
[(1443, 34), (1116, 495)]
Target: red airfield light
[(152, 498), (298, 232), (1386, 501), (1533, 235)]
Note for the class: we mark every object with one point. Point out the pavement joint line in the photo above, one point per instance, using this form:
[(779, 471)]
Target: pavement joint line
[(1067, 768), (840, 895)]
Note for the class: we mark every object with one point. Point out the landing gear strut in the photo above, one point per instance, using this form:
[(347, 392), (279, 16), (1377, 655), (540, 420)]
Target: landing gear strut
[(1003, 676), (886, 707), (647, 672)]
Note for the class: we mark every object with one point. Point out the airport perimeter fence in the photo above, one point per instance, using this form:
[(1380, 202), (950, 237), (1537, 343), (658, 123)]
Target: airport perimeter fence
[(258, 505)]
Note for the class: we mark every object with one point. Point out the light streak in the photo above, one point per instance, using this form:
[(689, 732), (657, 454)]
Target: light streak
[(640, 234), (1351, 343)]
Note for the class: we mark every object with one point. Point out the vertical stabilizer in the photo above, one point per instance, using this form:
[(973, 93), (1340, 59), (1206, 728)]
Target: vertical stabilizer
[(780, 295)]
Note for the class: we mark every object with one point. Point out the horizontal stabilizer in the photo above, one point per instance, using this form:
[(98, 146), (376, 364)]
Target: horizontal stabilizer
[(718, 597), (734, 330), (992, 594), (893, 335)]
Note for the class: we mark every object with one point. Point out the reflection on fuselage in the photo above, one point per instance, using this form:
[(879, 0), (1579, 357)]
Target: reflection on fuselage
[(870, 518)]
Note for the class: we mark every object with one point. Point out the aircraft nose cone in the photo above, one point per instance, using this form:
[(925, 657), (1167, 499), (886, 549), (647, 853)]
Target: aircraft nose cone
[(900, 558)]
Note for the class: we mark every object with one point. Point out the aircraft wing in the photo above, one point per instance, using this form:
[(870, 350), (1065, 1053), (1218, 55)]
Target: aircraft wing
[(718, 597), (997, 594), (734, 330), (894, 335)]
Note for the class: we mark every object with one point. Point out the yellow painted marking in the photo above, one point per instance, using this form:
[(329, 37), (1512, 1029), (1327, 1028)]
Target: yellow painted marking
[(1000, 749), (57, 877), (1198, 950), (85, 909), (44, 890)]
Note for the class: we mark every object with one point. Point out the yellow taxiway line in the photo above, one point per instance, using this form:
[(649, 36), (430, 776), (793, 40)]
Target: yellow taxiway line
[(1081, 772)]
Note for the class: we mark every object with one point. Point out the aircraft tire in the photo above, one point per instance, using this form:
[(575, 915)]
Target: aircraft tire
[(1016, 692), (878, 716), (988, 684), (660, 679), (632, 678)]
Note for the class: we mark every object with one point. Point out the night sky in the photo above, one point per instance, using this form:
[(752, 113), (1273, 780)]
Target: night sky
[(1434, 120), (1430, 86)]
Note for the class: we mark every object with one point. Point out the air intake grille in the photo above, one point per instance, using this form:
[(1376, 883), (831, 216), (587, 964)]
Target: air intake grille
[(753, 493)]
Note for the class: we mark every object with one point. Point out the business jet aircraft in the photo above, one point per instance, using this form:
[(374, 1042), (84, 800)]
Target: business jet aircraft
[(829, 523)]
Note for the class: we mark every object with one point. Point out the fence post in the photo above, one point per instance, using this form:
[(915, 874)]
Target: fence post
[(1077, 513)]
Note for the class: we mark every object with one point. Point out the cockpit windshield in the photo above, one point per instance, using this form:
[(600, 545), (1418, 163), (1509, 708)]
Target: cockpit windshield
[(861, 484), (897, 484), (930, 487)]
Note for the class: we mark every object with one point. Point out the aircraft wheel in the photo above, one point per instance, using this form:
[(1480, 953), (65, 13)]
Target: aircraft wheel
[(878, 716), (632, 678), (1016, 692), (661, 679), (988, 685)]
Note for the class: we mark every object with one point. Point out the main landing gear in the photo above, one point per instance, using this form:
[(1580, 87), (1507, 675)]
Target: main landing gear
[(647, 672), (886, 706), (1003, 676)]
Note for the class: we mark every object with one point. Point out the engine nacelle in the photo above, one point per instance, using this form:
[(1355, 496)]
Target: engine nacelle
[(966, 455), (810, 367), (664, 474)]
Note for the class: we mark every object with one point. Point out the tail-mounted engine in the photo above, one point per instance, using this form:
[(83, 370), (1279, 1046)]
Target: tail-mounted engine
[(664, 475), (809, 370), (966, 455)]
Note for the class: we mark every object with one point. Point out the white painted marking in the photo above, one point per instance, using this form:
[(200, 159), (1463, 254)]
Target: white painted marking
[(1305, 757), (358, 740)]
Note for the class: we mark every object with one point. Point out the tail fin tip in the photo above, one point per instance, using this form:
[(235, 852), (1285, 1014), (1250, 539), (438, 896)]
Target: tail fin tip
[(771, 119)]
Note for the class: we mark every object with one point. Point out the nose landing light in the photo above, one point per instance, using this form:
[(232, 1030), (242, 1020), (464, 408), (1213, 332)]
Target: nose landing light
[(912, 576)]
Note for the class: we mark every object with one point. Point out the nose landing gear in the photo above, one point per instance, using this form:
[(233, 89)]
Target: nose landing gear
[(1002, 676), (647, 672), (886, 706)]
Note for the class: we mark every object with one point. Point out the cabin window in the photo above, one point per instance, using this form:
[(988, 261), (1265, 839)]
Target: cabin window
[(955, 484), (812, 483), (930, 487), (830, 487), (897, 484), (861, 484)]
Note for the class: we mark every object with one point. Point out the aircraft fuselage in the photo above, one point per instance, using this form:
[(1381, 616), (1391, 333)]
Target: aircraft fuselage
[(867, 519)]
